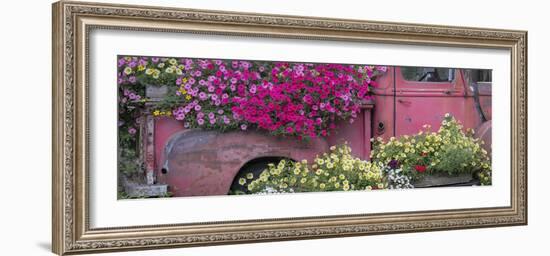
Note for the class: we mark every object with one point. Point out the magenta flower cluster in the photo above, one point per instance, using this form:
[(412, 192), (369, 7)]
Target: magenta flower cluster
[(283, 98)]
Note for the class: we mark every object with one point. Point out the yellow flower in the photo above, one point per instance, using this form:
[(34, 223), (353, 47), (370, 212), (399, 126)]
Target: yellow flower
[(242, 181), (140, 68), (303, 180), (156, 113), (249, 176), (127, 70), (322, 185), (188, 97)]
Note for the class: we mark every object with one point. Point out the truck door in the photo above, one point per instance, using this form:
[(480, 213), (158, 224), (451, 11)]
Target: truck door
[(423, 95)]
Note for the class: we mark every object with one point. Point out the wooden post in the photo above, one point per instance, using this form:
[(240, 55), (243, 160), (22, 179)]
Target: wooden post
[(149, 148)]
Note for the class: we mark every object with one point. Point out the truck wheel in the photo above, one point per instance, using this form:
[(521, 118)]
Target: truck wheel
[(256, 169)]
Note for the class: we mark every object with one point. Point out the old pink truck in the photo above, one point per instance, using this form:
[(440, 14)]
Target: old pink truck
[(197, 162)]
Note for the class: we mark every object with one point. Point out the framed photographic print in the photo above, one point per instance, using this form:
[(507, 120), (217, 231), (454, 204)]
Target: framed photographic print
[(179, 127)]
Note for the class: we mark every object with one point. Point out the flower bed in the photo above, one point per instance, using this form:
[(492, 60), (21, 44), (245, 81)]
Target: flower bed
[(396, 164), (448, 151), (298, 99), (336, 170)]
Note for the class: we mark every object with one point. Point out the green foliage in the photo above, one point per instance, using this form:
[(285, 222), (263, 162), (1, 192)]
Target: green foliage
[(449, 150), (454, 159), (128, 163)]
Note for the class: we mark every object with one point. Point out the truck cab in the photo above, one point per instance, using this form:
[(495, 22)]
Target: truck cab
[(410, 97)]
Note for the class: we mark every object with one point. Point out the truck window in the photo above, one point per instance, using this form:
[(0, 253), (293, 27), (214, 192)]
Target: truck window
[(482, 75), (427, 74)]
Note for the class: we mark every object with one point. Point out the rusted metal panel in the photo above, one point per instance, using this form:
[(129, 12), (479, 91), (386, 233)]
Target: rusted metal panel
[(165, 127), (205, 162), (357, 133)]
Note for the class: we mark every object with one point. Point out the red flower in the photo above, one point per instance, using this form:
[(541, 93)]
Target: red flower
[(420, 168)]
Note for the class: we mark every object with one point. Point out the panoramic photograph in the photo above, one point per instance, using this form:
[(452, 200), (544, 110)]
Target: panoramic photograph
[(206, 127)]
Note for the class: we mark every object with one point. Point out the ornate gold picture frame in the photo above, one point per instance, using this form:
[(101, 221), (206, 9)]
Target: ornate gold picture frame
[(74, 21)]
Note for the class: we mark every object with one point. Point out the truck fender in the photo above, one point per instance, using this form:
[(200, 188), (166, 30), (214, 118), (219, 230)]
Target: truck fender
[(484, 133)]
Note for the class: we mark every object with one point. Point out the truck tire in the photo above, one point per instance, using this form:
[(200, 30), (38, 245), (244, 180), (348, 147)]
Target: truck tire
[(256, 169)]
